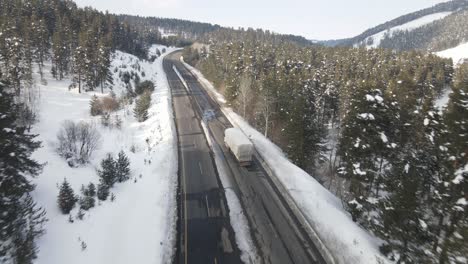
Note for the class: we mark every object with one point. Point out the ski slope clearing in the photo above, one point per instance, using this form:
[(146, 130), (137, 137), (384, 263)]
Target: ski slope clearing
[(346, 241), (377, 38), (458, 54), (139, 225)]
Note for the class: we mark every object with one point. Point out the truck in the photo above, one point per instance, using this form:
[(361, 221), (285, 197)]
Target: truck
[(239, 145)]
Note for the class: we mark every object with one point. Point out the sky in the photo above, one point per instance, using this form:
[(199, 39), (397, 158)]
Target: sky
[(313, 19)]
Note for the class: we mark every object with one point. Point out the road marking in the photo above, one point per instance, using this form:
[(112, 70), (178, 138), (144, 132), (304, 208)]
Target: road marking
[(185, 213), (215, 261), (201, 169), (207, 206)]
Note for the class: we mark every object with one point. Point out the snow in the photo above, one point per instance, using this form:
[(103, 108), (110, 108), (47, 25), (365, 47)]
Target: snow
[(383, 137), (422, 224), (462, 201), (366, 116), (370, 98), (459, 175), (357, 169), (139, 226), (345, 240), (377, 38), (426, 121), (458, 54), (238, 220)]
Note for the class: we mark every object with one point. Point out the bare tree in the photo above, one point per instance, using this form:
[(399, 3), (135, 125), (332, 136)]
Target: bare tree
[(245, 93), (266, 108), (77, 142)]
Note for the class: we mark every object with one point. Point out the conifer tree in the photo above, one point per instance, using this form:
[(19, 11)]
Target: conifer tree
[(66, 198), (21, 219), (102, 191), (122, 167), (103, 62), (452, 244), (95, 106), (142, 105), (108, 172)]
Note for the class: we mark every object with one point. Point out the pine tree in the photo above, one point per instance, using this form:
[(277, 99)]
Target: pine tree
[(103, 62), (21, 219), (102, 191), (80, 64), (454, 186), (366, 142), (122, 167), (95, 106), (142, 105), (91, 189), (108, 172), (66, 198)]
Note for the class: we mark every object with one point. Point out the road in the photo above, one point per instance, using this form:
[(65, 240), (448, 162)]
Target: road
[(206, 233), (277, 233)]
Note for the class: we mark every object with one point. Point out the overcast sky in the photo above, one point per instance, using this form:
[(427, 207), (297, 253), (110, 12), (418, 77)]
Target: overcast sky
[(314, 19)]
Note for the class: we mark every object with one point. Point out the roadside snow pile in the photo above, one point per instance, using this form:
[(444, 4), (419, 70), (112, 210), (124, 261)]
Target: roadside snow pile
[(458, 54), (346, 241), (377, 38), (139, 225)]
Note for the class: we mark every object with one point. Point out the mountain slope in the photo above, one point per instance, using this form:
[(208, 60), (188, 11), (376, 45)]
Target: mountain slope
[(439, 27)]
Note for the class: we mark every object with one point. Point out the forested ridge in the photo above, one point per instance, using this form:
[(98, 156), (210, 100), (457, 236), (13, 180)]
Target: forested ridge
[(438, 35), (365, 123), (450, 6)]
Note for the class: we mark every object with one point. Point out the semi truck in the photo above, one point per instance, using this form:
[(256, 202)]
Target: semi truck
[(239, 145)]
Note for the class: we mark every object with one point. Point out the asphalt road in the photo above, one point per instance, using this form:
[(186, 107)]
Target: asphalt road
[(205, 233), (276, 232)]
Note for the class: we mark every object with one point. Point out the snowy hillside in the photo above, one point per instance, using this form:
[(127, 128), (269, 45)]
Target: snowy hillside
[(458, 54), (374, 40), (138, 226)]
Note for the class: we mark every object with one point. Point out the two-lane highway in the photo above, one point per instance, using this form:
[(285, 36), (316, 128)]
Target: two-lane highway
[(276, 231), (206, 235)]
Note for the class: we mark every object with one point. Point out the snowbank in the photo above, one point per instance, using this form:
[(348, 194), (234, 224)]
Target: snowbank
[(346, 241), (139, 226), (458, 54)]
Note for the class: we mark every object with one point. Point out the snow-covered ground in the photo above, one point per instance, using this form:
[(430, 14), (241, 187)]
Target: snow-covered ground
[(458, 54), (139, 226), (345, 240), (377, 38)]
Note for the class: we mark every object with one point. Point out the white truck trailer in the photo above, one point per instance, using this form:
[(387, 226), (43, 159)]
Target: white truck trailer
[(240, 145)]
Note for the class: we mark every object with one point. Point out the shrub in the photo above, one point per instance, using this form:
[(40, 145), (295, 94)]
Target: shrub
[(144, 86), (77, 142), (109, 104), (106, 104)]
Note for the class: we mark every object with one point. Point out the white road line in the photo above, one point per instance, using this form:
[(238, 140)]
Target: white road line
[(207, 206), (200, 166)]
